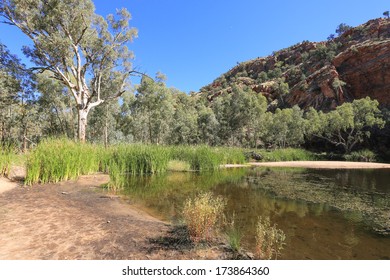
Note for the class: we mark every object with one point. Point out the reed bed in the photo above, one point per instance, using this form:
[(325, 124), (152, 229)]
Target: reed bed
[(57, 160), (287, 154), (137, 159), (205, 158)]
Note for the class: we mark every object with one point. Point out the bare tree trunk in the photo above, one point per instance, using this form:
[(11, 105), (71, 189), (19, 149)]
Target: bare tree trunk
[(25, 139), (82, 124), (105, 131), (105, 134)]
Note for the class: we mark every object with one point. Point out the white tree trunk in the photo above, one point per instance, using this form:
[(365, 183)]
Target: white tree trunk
[(82, 124)]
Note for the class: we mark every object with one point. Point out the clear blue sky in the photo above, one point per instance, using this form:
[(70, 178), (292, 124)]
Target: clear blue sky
[(195, 41)]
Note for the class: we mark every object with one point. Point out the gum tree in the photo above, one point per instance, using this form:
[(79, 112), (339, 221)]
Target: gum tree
[(79, 48), (347, 125)]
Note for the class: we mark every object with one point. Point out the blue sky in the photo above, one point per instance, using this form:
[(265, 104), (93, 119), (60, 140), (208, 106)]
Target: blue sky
[(193, 42)]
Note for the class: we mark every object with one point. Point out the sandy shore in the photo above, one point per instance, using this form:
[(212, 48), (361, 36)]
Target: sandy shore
[(6, 185), (317, 164), (79, 220)]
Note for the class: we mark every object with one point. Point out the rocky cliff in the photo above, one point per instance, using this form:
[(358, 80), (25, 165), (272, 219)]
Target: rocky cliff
[(322, 75)]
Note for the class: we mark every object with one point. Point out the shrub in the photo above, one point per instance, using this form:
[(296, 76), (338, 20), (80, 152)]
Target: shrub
[(203, 216), (287, 154), (363, 155), (269, 240)]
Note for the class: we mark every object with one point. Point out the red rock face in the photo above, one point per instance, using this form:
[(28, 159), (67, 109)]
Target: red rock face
[(361, 62), (365, 68)]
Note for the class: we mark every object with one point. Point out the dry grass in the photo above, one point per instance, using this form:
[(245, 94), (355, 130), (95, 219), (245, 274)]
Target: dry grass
[(203, 216), (269, 240)]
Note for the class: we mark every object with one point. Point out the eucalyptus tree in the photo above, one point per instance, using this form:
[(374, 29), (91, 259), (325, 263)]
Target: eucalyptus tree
[(79, 48), (347, 125), (239, 115), (185, 119), (16, 99), (152, 111), (285, 128), (56, 113)]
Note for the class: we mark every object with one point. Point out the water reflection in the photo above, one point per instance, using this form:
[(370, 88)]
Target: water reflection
[(326, 214)]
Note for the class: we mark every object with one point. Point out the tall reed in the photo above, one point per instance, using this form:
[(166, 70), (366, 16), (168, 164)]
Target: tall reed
[(136, 159), (6, 154), (55, 160)]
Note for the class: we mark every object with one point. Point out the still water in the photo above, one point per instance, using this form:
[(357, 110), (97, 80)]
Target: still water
[(325, 214)]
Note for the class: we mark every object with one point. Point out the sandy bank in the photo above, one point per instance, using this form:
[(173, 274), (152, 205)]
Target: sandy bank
[(323, 164), (6, 185), (79, 220)]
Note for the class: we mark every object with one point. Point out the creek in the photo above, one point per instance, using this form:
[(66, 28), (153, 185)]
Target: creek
[(325, 214)]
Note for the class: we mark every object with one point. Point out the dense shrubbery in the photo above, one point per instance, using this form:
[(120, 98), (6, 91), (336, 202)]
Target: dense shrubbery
[(288, 154), (362, 155)]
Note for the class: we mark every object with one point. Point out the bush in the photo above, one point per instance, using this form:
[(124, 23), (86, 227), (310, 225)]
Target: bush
[(363, 155), (287, 154), (203, 216), (269, 240)]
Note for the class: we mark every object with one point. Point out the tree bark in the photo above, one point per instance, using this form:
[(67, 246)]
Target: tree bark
[(82, 124)]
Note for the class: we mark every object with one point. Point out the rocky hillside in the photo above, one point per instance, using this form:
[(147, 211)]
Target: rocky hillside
[(322, 75)]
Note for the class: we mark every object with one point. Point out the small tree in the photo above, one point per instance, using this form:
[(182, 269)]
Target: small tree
[(386, 14), (342, 28)]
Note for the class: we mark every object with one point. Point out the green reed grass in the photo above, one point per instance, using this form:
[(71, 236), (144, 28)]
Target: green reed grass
[(234, 236), (57, 160), (287, 154), (205, 158), (6, 154), (136, 159)]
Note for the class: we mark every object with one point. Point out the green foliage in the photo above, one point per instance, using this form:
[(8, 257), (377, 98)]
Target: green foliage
[(342, 28), (262, 77), (130, 160), (323, 53), (203, 216), (87, 53), (152, 112), (287, 154), (7, 153), (346, 126), (269, 240), (337, 83), (362, 155), (234, 236), (284, 128)]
